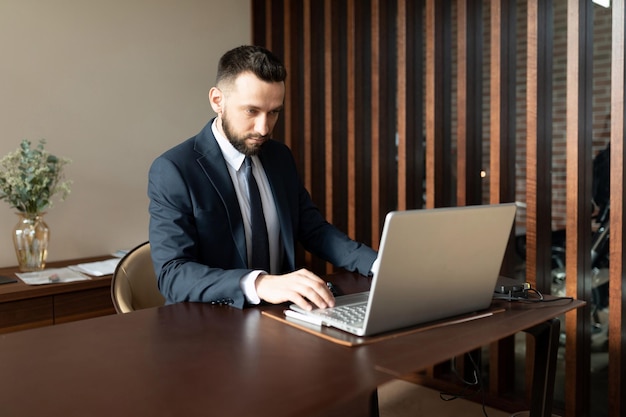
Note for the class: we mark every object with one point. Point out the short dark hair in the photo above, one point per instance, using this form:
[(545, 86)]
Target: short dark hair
[(248, 58)]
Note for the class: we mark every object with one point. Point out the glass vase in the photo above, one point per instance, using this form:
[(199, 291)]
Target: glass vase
[(30, 237)]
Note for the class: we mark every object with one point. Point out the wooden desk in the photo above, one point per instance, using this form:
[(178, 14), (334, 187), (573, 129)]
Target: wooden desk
[(25, 306), (196, 359)]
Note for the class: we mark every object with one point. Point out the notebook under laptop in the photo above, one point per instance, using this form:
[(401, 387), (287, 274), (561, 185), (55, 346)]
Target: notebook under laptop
[(433, 264)]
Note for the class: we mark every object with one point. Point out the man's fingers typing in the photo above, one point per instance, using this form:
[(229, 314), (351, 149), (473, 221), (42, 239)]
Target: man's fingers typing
[(301, 287)]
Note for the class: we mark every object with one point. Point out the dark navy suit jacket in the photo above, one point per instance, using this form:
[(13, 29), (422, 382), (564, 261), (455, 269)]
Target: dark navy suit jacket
[(196, 229)]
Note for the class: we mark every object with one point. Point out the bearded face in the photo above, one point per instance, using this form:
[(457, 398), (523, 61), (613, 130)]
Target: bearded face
[(248, 110)]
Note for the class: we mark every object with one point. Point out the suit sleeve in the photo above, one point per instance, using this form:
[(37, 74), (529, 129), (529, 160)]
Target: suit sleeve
[(187, 270), (310, 227), (329, 243)]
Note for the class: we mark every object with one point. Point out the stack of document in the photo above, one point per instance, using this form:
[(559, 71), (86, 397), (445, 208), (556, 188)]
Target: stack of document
[(51, 276), (97, 269), (77, 272)]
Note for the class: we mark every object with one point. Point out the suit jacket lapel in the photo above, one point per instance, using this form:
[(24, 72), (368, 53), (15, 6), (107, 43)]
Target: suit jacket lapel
[(214, 166)]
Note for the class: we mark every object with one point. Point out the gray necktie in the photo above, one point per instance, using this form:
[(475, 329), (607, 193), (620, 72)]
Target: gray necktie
[(260, 242)]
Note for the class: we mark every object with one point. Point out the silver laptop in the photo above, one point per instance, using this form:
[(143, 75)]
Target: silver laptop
[(433, 264)]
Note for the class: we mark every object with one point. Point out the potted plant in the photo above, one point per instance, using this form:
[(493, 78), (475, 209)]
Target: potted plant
[(29, 179)]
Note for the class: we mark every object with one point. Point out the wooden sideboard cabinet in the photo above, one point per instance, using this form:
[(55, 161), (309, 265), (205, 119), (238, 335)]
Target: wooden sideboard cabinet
[(25, 306)]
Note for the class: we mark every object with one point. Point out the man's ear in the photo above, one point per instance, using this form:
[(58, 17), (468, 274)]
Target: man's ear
[(216, 98)]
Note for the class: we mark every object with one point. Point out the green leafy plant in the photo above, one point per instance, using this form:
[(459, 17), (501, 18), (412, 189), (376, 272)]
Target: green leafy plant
[(30, 177)]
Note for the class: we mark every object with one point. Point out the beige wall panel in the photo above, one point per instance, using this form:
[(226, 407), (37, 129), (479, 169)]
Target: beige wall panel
[(109, 85)]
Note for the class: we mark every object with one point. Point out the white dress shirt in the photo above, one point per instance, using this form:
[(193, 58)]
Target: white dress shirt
[(234, 162)]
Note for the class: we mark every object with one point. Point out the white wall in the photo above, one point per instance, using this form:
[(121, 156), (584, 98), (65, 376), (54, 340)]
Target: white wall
[(110, 85)]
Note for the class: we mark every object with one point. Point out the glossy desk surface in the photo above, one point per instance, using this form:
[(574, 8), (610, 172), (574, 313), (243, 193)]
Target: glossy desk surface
[(203, 360)]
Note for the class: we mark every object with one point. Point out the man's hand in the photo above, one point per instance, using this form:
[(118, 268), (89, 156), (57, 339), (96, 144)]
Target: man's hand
[(303, 288)]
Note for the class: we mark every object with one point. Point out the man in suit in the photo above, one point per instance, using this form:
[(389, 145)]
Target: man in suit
[(201, 228)]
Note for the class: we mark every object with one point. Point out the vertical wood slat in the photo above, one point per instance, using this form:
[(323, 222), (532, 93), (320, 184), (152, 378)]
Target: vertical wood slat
[(469, 102), (432, 117), (578, 236), (335, 160), (401, 99), (617, 293), (538, 155), (501, 150), (363, 148), (433, 49), (288, 53), (307, 133), (464, 81), (502, 127), (469, 113), (502, 99), (329, 110), (415, 117), (437, 109), (409, 91), (307, 89), (437, 105), (257, 17), (268, 22), (539, 144), (351, 117), (328, 106), (388, 111), (375, 118)]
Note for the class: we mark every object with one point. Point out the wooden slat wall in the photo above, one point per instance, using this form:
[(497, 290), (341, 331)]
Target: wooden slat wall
[(538, 142), (538, 152), (438, 104), (375, 123), (375, 112), (469, 102), (402, 74), (502, 149), (578, 258), (617, 293)]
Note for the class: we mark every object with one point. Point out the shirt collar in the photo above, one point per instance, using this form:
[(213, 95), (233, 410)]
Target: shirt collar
[(233, 157)]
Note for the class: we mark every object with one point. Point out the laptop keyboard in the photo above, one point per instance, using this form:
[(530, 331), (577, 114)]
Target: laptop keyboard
[(353, 314)]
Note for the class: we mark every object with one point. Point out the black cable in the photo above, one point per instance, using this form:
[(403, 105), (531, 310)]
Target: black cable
[(526, 299), (447, 396), (530, 300), (462, 378)]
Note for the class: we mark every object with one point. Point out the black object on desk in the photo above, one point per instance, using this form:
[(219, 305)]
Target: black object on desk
[(7, 280)]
